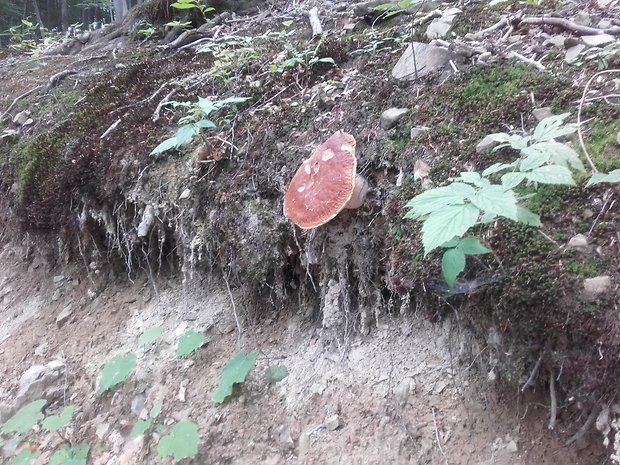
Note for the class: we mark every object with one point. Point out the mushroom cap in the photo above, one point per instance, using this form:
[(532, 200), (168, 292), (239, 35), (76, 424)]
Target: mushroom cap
[(323, 183)]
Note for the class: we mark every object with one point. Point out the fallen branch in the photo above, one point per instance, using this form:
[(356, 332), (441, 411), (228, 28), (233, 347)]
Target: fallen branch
[(569, 25), (529, 61), (163, 101), (315, 22), (498, 25), (554, 401), (584, 429), (110, 129), (17, 99), (55, 79)]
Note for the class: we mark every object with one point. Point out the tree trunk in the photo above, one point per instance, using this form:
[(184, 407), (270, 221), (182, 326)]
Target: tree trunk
[(120, 9), (64, 15), (37, 13)]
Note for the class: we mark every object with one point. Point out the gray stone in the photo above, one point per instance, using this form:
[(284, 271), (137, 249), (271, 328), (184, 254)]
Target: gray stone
[(401, 392), (64, 316), (579, 242), (391, 116), (138, 403), (57, 295), (441, 26), (332, 423), (428, 59), (604, 24), (185, 194), (284, 435), (512, 447), (21, 118), (582, 18), (464, 50), (556, 41), (418, 131), (485, 146), (595, 287), (573, 52), (58, 279), (38, 382), (598, 40), (542, 113), (618, 138)]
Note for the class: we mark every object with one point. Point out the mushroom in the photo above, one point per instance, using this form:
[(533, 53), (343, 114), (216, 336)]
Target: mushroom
[(325, 183)]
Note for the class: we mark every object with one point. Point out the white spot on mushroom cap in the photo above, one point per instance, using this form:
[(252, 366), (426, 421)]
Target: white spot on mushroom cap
[(307, 168), (327, 155), (301, 188)]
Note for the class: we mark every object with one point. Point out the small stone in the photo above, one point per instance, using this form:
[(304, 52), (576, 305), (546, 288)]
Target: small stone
[(486, 145), (618, 138), (420, 59), (512, 447), (555, 41), (57, 295), (64, 316), (21, 117), (401, 392), (138, 403), (304, 442), (595, 287), (332, 423), (418, 131), (587, 214), (604, 24), (582, 18), (284, 435), (464, 50), (598, 40), (58, 279), (579, 242), (542, 113), (185, 194), (573, 52), (391, 116)]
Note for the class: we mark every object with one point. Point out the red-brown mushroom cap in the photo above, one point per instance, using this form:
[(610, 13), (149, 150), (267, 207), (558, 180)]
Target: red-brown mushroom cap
[(323, 183)]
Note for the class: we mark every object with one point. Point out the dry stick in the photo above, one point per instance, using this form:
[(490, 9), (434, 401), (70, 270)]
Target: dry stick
[(234, 308), (554, 401), (498, 25), (566, 24), (608, 196), (315, 22), (584, 429), (56, 78), (535, 63), (530, 380), (583, 96), (437, 437), (17, 99), (161, 104), (110, 129)]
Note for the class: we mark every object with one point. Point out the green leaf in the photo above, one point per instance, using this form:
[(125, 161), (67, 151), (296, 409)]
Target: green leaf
[(189, 342), (165, 145), (25, 418), (205, 124), (452, 264), (233, 372), (496, 199), (496, 168), (276, 373), (181, 443), (116, 371), (514, 141), (140, 428), (512, 179), (186, 133), (597, 178), (442, 225), (551, 174), (437, 198), (472, 246), (25, 457), (552, 127), (150, 335), (451, 243), (155, 410), (528, 217), (560, 154), (533, 160), (77, 455), (470, 177), (55, 422)]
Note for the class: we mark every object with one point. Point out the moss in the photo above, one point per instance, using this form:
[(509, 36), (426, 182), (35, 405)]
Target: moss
[(584, 267)]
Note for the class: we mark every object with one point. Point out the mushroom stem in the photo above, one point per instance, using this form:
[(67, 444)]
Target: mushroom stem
[(360, 189)]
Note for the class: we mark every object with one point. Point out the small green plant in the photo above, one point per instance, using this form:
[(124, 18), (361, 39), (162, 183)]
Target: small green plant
[(55, 423), (25, 418), (189, 342), (116, 371), (181, 443), (189, 4), (182, 24), (472, 200), (391, 9), (292, 58), (77, 455), (234, 372), (197, 118), (150, 335), (143, 426)]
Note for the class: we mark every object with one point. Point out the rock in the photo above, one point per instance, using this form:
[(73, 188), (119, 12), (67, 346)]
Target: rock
[(38, 381), (542, 113), (573, 52), (21, 118), (579, 242), (303, 444), (582, 18), (428, 59), (440, 27), (57, 295), (604, 24), (555, 41), (284, 435), (417, 131), (485, 146), (401, 392), (332, 423), (185, 194), (618, 138), (58, 279), (512, 447), (391, 116), (147, 221), (596, 287), (64, 316), (464, 50), (138, 403), (598, 40)]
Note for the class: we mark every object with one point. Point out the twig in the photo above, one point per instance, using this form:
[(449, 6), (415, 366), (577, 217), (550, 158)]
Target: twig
[(608, 196), (55, 79), (163, 101), (584, 429), (427, 17), (110, 129), (535, 63), (498, 25), (315, 22), (566, 24), (583, 96), (554, 401), (234, 308), (437, 438), (17, 99), (532, 377)]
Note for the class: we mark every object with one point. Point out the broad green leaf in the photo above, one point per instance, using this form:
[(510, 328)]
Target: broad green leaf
[(77, 455), (25, 418), (276, 373), (165, 145), (150, 335), (496, 199), (116, 371), (55, 422), (533, 160), (186, 133), (528, 217), (451, 243), (205, 124), (435, 199), (183, 6), (452, 264), (496, 168), (552, 127), (181, 443), (560, 154), (140, 428), (442, 225), (514, 141), (470, 177), (229, 100), (512, 179), (207, 106), (233, 372), (597, 178), (155, 410), (472, 246), (551, 174), (25, 457), (189, 342)]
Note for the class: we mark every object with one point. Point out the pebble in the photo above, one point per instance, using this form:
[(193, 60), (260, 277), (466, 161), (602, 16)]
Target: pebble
[(486, 145), (185, 194), (579, 242), (391, 116), (332, 423), (598, 40), (542, 113), (595, 287), (573, 52), (418, 131), (64, 316)]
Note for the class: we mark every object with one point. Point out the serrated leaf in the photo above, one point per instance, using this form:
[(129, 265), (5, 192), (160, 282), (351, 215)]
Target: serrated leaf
[(276, 373), (526, 216), (189, 342), (472, 246), (512, 179), (451, 243), (233, 372), (55, 422), (496, 168), (597, 178), (552, 127), (496, 199), (116, 371), (186, 133), (155, 410), (77, 455), (442, 225), (560, 154), (181, 443), (437, 198), (25, 457), (140, 428), (150, 335), (452, 264), (205, 124), (514, 141), (551, 174), (165, 145), (533, 160), (470, 177), (25, 418)]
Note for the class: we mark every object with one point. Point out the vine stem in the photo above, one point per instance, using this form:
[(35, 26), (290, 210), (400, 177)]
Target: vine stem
[(583, 98)]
